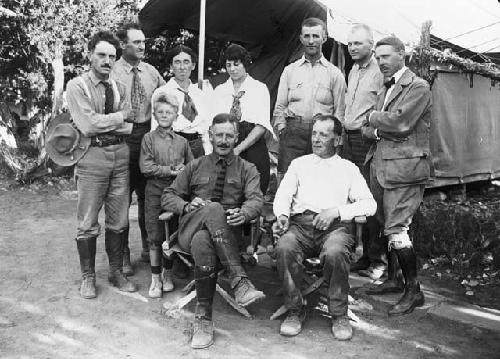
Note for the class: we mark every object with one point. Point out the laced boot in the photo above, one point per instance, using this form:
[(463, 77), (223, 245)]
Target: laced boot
[(246, 294), (86, 251), (292, 325), (203, 326), (156, 287), (341, 328), (113, 242), (413, 296), (394, 281), (167, 282)]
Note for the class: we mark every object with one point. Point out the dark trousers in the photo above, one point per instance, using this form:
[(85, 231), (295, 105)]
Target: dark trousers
[(334, 246), (355, 148), (295, 141), (256, 154), (155, 228), (195, 143), (205, 234), (137, 180)]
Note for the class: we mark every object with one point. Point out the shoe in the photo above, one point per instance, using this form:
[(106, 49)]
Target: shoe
[(411, 299), (292, 325), (246, 294), (145, 255), (374, 273), (388, 286), (341, 328), (121, 282), (127, 266), (87, 288), (203, 333), (362, 263), (155, 289), (166, 278)]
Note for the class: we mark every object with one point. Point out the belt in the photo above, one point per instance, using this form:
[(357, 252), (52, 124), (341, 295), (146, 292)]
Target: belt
[(106, 140), (189, 136), (142, 124), (353, 132), (299, 119)]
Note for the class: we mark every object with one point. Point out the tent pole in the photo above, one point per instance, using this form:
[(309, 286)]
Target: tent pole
[(201, 43)]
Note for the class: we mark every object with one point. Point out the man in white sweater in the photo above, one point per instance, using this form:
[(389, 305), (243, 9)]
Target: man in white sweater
[(317, 199)]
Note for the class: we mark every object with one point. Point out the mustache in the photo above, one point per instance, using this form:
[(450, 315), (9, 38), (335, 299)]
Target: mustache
[(223, 145), (106, 66)]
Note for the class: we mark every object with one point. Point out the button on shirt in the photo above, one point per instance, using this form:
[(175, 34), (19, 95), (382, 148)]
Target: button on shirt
[(306, 90), (161, 149), (203, 102), (255, 103), (150, 79), (314, 183), (241, 187), (362, 90), (88, 112)]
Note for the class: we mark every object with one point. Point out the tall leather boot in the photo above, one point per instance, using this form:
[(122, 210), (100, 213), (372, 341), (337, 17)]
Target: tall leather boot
[(127, 265), (413, 296), (86, 251), (203, 327), (394, 282), (114, 249)]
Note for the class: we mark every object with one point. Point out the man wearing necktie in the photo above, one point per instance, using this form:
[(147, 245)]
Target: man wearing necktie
[(400, 166), (195, 108), (140, 79), (100, 110), (214, 196)]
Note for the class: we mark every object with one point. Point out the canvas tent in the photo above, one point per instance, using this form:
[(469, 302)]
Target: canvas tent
[(465, 129)]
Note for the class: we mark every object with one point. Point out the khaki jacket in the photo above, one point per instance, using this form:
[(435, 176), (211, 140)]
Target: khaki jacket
[(403, 157)]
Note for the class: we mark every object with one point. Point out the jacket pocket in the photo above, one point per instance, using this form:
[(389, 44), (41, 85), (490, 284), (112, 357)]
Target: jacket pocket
[(406, 170)]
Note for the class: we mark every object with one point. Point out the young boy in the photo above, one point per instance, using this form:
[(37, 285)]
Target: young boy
[(163, 156)]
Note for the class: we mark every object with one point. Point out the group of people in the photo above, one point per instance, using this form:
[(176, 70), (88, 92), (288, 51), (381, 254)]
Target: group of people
[(201, 155)]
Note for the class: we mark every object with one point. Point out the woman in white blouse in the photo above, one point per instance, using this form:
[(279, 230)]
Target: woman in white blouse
[(248, 100)]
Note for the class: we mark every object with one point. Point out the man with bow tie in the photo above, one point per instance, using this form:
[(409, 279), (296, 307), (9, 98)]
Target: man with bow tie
[(400, 166), (140, 79)]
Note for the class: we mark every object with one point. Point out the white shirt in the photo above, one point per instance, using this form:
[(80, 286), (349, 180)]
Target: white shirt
[(202, 100), (396, 76), (316, 184), (255, 103)]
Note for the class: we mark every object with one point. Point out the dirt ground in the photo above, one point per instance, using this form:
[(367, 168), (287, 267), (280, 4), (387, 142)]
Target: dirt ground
[(42, 315)]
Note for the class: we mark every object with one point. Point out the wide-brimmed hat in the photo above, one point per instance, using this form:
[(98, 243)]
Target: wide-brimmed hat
[(64, 144)]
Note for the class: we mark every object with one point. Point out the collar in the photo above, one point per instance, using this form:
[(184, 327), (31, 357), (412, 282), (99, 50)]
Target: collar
[(317, 159), (322, 60), (174, 84), (127, 67), (370, 63), (244, 85), (215, 157), (94, 80), (164, 132), (399, 73)]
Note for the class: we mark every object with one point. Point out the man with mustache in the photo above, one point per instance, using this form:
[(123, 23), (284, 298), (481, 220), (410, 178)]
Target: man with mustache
[(140, 79), (215, 195), (309, 86), (365, 80), (99, 108), (400, 165)]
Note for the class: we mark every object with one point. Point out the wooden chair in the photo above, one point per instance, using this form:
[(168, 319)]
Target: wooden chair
[(171, 249)]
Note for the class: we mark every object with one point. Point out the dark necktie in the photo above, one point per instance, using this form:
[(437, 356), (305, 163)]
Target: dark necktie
[(236, 106), (138, 95), (219, 182), (389, 83), (188, 108), (110, 97)]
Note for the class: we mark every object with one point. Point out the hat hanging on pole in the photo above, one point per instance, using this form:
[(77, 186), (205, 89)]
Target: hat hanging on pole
[(63, 142)]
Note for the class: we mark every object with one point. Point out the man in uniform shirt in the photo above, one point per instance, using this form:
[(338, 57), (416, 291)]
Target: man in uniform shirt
[(365, 80), (400, 165), (315, 203), (140, 79), (308, 86), (100, 110), (193, 119)]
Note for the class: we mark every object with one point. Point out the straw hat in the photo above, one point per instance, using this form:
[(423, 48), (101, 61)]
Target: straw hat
[(64, 144)]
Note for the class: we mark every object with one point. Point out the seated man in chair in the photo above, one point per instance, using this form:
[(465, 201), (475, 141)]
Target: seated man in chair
[(215, 195), (318, 194)]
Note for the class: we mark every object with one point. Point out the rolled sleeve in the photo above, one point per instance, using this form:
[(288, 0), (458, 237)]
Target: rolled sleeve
[(361, 201)]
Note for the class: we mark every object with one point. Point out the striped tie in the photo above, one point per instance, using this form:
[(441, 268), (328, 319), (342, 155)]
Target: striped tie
[(236, 106), (138, 96), (188, 108), (219, 182)]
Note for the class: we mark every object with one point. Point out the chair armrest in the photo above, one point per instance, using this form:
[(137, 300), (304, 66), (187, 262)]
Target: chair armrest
[(165, 216)]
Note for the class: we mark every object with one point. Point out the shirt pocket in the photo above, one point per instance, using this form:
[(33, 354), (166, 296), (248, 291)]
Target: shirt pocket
[(200, 187), (296, 92), (324, 94)]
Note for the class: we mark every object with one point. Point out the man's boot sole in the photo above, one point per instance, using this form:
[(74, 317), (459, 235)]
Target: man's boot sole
[(202, 346)]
